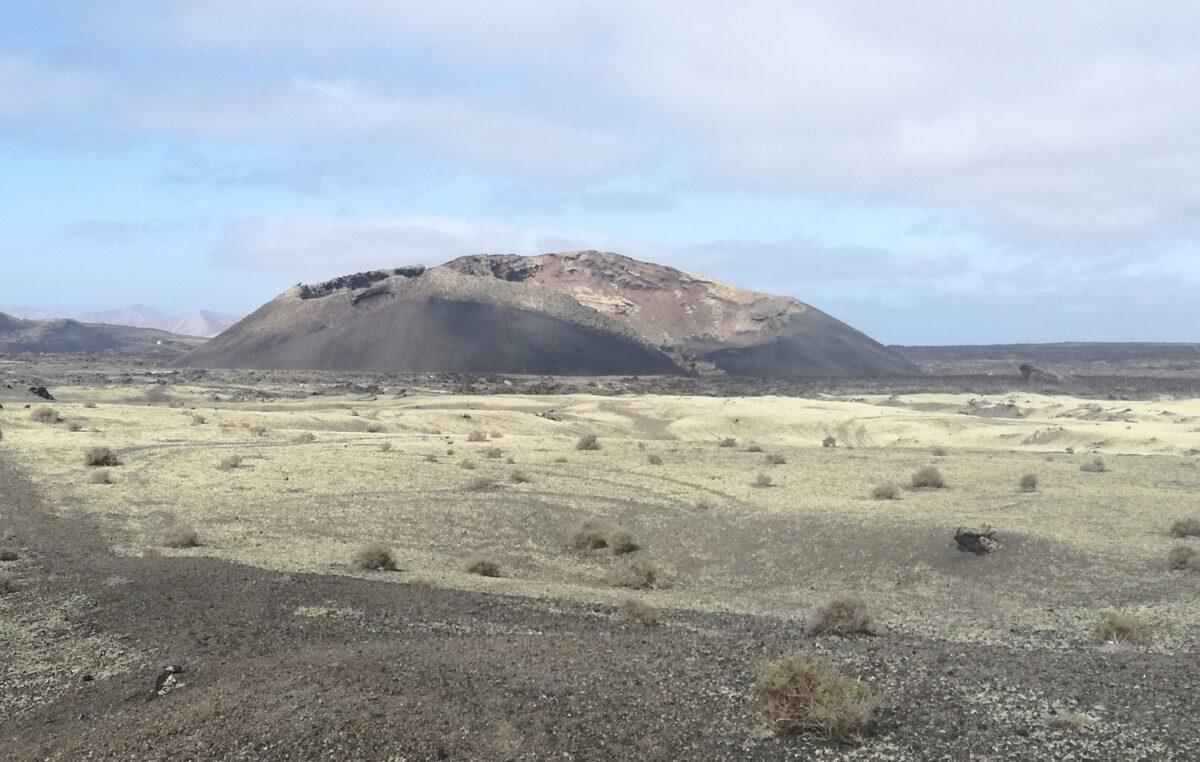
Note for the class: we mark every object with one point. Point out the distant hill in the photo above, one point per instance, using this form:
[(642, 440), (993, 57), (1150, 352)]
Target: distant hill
[(1062, 352), (137, 315), (204, 323), (578, 313), (19, 336)]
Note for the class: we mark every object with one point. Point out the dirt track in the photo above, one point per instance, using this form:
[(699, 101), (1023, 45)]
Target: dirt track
[(306, 666)]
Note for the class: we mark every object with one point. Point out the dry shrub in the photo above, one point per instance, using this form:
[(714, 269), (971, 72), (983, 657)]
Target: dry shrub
[(230, 462), (588, 442), (589, 535), (306, 437), (100, 477), (197, 419), (754, 448), (829, 441), (7, 585), (1183, 557), (654, 460), (621, 541), (727, 442), (704, 504), (494, 452), (374, 556), (1028, 483), (775, 459), (562, 459), (431, 458), (763, 481), (938, 452), (258, 431), (180, 537), (885, 492), (477, 436), (100, 456), (927, 477), (44, 415), (481, 484), (483, 566), (839, 616), (633, 610), (74, 426), (8, 554), (637, 575), (1093, 466), (1188, 526), (385, 447), (469, 465), (1071, 721), (375, 428), (519, 477), (1120, 629), (796, 696), (90, 405)]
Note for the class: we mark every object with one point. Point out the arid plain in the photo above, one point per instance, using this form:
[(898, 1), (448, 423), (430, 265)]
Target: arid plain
[(748, 511)]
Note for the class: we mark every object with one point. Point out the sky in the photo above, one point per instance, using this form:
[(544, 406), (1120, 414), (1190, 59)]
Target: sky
[(931, 173)]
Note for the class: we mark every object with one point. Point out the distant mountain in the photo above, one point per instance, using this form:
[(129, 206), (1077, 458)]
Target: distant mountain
[(25, 312), (18, 336), (577, 313), (138, 316), (204, 323)]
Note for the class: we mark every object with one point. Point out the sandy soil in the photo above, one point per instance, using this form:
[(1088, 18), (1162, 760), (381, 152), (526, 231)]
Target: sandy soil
[(287, 651)]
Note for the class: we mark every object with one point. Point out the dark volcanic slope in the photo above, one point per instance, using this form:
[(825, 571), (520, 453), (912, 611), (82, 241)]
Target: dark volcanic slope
[(71, 337), (438, 320), (700, 321)]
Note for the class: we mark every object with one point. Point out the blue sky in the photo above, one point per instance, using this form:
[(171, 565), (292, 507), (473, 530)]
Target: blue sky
[(948, 173)]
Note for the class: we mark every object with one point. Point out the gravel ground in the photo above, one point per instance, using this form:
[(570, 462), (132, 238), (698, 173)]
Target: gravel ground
[(274, 666)]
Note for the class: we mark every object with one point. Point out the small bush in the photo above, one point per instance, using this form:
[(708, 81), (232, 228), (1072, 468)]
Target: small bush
[(493, 452), (469, 465), (306, 437), (258, 431), (794, 695), (100, 456), (386, 447), (74, 426), (754, 448), (477, 436), (90, 405), (763, 480), (376, 428), (519, 477), (481, 484), (496, 434), (100, 477), (589, 535), (431, 458), (927, 478), (704, 504), (1120, 629), (938, 452), (198, 420), (44, 415), (829, 441), (230, 462), (8, 554), (633, 610), (483, 566), (1093, 466), (588, 442), (1186, 527), (727, 442), (1028, 483), (180, 537), (7, 585), (839, 616), (654, 460), (1183, 557), (637, 575), (374, 556), (621, 541), (775, 459), (885, 492), (1071, 721)]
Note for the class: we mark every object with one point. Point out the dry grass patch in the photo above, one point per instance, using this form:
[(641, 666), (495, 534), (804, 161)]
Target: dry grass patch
[(885, 492), (588, 442), (258, 431), (839, 616), (44, 415), (431, 458), (1121, 629), (100, 456), (468, 465), (775, 459), (763, 481), (305, 437), (927, 477), (519, 477), (7, 583), (633, 610), (654, 460), (477, 436), (621, 541), (1189, 526), (637, 575), (386, 447), (796, 696), (727, 442), (481, 484), (483, 566), (1028, 483), (1093, 466), (8, 554), (938, 452), (230, 462), (494, 452), (374, 556), (100, 477), (1071, 721), (180, 537)]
